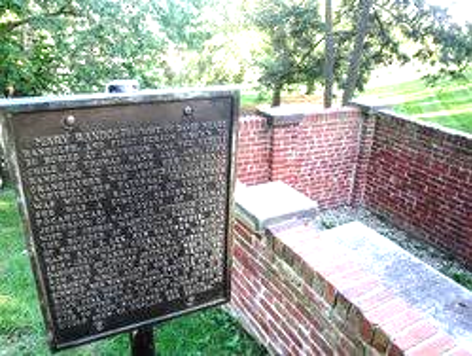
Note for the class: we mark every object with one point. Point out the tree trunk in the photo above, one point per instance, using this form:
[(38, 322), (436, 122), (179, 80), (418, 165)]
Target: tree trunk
[(329, 55), (277, 95), (310, 87), (356, 54)]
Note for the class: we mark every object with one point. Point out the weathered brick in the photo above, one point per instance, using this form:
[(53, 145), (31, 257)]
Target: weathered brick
[(321, 343), (381, 341), (434, 346), (401, 321), (459, 352), (375, 298), (419, 333), (359, 326), (416, 176), (384, 313)]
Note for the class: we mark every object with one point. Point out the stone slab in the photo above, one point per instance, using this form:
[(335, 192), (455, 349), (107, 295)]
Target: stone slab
[(288, 114), (447, 303), (269, 203)]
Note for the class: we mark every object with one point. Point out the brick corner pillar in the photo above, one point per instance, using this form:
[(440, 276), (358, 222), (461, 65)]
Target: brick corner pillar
[(366, 132), (319, 151)]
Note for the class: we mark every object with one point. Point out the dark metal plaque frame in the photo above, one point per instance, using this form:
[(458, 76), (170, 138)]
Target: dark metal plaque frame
[(11, 110)]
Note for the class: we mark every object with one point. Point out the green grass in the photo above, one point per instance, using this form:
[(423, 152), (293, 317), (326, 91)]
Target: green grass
[(251, 99), (209, 332), (461, 277), (447, 103)]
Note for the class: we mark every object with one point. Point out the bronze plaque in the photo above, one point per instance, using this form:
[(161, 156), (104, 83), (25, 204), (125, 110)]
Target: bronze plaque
[(127, 206)]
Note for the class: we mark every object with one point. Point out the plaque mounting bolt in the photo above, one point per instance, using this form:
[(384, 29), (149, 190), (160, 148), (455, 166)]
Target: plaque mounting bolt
[(69, 121), (190, 301), (188, 110)]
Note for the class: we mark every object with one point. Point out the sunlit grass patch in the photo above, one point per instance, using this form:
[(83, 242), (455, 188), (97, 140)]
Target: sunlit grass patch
[(447, 103)]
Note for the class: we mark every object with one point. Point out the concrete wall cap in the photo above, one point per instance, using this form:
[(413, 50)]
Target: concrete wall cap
[(270, 203)]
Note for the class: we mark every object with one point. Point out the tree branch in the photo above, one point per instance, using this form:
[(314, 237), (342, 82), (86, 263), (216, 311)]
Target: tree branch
[(355, 60), (312, 48), (384, 34), (65, 10), (297, 68)]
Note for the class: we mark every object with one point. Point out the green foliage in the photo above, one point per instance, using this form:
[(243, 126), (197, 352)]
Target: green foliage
[(27, 56), (401, 31), (213, 332), (294, 33), (185, 22), (328, 224), (29, 71), (395, 32), (228, 59), (67, 46), (455, 53), (63, 46), (114, 40), (250, 100), (209, 332), (464, 279), (226, 56)]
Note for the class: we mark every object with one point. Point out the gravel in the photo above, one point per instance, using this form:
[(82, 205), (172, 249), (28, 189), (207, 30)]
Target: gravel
[(442, 261)]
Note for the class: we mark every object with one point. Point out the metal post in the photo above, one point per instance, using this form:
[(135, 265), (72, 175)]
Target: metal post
[(142, 343)]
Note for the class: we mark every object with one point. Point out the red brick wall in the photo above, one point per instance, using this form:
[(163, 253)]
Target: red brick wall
[(279, 307), (316, 155), (421, 178), (327, 155), (366, 133), (417, 176), (253, 150), (323, 302), (285, 163)]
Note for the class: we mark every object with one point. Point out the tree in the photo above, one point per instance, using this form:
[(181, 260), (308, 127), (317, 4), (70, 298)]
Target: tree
[(385, 32), (294, 32), (226, 56), (27, 55), (110, 40), (329, 55), (68, 46), (65, 46), (365, 34), (364, 8)]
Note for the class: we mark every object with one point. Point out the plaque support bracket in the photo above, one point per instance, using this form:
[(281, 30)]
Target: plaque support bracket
[(142, 342)]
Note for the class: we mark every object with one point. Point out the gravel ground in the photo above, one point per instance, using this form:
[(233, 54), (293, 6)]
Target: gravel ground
[(429, 254)]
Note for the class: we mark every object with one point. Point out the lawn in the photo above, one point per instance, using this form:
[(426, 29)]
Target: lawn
[(447, 103), (250, 100), (210, 332)]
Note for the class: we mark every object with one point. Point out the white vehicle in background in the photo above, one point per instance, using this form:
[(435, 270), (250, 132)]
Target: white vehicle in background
[(122, 86)]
